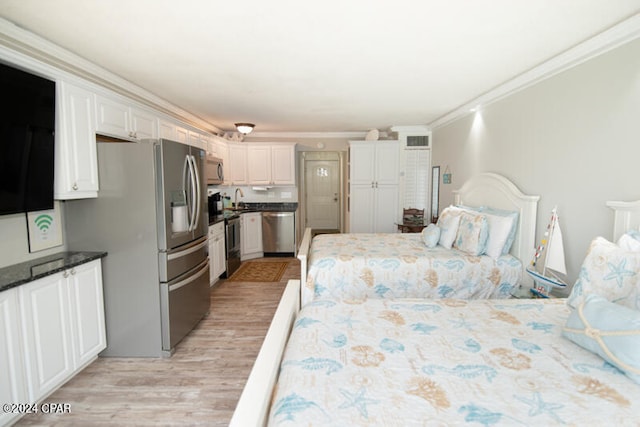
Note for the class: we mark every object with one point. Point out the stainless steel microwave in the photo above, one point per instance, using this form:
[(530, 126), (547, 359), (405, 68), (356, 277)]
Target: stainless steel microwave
[(214, 171)]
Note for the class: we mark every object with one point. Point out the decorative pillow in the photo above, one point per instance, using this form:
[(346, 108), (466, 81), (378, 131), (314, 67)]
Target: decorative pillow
[(630, 241), (608, 330), (431, 235), (448, 224), (608, 271), (472, 234)]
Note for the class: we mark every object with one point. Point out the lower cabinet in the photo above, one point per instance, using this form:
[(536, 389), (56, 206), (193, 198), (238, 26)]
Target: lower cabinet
[(251, 235), (217, 252), (61, 323), (13, 387)]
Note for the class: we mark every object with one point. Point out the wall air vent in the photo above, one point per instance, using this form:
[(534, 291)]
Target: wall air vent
[(418, 142)]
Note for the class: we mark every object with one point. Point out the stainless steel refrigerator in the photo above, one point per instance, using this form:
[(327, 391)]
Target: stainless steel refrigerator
[(151, 217)]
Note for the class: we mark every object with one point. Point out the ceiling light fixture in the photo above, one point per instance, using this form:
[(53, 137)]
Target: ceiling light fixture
[(244, 128)]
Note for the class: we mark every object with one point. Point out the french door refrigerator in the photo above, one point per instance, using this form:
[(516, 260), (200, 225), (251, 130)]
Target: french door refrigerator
[(151, 217)]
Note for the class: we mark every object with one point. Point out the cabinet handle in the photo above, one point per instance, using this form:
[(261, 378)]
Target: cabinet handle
[(65, 274), (75, 186), (73, 272)]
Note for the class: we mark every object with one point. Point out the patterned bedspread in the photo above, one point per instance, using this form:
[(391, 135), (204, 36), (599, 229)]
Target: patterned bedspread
[(445, 362), (355, 267)]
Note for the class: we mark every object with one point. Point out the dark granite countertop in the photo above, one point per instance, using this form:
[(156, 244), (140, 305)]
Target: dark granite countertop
[(254, 207), (273, 207), (25, 272)]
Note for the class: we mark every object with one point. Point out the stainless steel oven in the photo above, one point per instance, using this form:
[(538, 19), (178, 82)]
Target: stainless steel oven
[(232, 240)]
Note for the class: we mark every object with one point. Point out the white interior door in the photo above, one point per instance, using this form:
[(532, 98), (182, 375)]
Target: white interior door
[(322, 198)]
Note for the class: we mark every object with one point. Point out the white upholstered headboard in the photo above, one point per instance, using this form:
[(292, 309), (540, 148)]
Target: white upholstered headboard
[(626, 216), (496, 191)]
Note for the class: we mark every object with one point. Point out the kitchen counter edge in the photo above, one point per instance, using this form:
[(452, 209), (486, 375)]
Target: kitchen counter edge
[(29, 271)]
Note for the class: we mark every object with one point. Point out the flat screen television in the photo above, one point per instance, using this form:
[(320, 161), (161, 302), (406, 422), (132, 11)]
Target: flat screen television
[(27, 123)]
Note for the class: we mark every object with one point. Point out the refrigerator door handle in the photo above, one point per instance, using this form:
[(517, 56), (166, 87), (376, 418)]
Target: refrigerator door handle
[(192, 188), (197, 199), (187, 181), (190, 279), (187, 251)]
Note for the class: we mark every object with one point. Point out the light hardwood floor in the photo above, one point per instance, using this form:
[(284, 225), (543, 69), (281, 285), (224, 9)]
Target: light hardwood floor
[(199, 385)]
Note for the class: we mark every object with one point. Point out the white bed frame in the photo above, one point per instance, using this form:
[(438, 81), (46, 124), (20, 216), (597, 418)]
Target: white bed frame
[(485, 189), (253, 406), (626, 216)]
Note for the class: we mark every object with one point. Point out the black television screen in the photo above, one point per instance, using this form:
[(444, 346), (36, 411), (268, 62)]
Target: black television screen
[(27, 123)]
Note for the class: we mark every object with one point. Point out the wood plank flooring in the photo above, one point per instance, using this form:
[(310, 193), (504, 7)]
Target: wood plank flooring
[(198, 386)]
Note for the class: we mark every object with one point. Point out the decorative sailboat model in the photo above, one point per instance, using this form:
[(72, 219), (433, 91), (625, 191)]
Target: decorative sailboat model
[(547, 267)]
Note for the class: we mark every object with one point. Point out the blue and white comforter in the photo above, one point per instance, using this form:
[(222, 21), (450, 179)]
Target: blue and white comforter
[(355, 267), (445, 362)]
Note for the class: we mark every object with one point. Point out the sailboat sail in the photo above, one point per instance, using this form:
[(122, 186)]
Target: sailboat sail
[(548, 265)]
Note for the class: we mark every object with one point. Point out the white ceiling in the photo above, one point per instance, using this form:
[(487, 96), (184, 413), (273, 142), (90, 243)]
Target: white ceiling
[(323, 66)]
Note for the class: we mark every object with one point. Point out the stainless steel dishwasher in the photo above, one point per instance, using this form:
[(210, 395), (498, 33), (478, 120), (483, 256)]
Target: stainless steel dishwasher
[(279, 233)]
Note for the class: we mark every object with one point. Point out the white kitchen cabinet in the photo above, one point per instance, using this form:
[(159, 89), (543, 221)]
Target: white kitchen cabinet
[(87, 312), (62, 317), (167, 130), (144, 124), (283, 164), (198, 139), (76, 161), (259, 164), (217, 252), (236, 169), (44, 305), (13, 385), (373, 186), (212, 148), (115, 117), (251, 235), (271, 163)]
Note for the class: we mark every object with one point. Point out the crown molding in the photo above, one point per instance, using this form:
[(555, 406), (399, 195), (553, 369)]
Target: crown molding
[(624, 32), (35, 48), (414, 130), (309, 135)]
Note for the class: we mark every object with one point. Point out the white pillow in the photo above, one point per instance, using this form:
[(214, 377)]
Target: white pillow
[(630, 241), (499, 231), (448, 223), (431, 235)]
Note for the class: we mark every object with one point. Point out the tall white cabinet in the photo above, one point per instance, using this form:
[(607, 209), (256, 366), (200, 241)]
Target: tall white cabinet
[(374, 169)]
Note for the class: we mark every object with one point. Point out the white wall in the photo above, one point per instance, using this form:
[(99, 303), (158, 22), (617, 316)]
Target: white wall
[(14, 241), (573, 139)]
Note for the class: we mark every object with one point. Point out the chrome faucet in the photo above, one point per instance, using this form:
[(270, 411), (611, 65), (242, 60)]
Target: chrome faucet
[(235, 198)]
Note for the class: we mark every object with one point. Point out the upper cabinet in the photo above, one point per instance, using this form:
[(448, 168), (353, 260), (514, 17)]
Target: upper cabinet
[(236, 168), (116, 117), (271, 163), (76, 163)]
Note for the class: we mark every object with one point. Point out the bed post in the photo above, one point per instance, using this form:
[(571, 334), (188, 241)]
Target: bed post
[(303, 254), (625, 217)]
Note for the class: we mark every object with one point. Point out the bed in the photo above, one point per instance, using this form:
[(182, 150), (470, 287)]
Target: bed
[(359, 266), (451, 362)]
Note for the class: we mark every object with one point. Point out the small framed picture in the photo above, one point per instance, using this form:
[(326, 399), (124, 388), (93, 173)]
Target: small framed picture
[(45, 229), (446, 178)]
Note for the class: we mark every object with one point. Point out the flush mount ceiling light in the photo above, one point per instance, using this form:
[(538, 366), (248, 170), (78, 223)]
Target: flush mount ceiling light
[(244, 128)]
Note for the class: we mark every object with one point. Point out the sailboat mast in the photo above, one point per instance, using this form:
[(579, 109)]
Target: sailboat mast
[(552, 226)]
